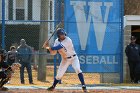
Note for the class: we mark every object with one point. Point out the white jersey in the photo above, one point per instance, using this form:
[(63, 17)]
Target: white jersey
[(65, 52), (67, 45)]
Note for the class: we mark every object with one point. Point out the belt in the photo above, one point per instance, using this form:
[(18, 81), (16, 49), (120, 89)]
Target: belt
[(71, 56)]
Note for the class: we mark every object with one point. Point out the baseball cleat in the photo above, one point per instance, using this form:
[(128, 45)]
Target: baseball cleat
[(84, 89), (51, 88)]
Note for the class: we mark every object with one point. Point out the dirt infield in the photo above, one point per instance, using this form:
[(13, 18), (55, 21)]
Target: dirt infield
[(70, 84), (68, 79)]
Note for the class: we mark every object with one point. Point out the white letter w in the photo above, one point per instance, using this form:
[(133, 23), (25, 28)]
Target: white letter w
[(83, 23)]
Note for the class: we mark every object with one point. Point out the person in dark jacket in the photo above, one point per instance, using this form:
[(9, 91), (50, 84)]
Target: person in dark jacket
[(25, 57), (133, 54)]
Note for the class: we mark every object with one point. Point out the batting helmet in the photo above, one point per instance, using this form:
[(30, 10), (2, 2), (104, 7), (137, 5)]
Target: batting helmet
[(60, 31)]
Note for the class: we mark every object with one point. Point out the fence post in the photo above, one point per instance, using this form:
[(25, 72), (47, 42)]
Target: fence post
[(3, 24), (43, 35), (122, 38)]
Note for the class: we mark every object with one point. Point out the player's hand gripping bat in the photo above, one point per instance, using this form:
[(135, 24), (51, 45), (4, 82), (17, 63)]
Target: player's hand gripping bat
[(47, 41)]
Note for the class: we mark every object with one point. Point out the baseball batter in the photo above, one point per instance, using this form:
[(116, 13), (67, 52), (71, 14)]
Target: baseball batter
[(64, 46)]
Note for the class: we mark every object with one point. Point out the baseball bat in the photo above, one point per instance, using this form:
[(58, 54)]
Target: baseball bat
[(55, 30)]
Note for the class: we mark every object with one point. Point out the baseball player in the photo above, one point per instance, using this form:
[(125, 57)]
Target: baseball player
[(64, 46), (6, 74)]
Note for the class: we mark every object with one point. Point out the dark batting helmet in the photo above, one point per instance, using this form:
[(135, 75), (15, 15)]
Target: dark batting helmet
[(60, 31)]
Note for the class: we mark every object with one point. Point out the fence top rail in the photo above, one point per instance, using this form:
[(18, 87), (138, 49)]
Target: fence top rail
[(32, 20)]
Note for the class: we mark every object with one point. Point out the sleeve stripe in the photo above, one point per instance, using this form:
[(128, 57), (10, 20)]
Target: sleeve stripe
[(57, 47)]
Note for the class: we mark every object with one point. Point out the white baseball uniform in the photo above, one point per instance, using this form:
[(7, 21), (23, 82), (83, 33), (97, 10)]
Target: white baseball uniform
[(68, 58)]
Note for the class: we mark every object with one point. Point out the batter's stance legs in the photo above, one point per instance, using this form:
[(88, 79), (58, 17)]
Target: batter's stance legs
[(81, 78)]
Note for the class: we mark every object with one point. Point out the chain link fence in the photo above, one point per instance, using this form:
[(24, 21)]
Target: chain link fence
[(35, 21)]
